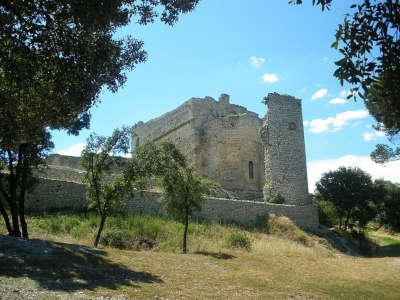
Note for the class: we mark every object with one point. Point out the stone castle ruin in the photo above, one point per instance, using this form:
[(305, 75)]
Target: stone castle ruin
[(253, 158), (233, 146), (284, 151), (221, 140)]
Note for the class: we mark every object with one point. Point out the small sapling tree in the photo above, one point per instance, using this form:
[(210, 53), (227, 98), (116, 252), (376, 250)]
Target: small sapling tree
[(184, 194), (184, 191), (105, 192)]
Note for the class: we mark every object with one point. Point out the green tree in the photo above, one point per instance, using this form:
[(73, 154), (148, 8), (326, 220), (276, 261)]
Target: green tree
[(350, 190), (384, 153), (184, 194), (55, 58), (105, 191), (369, 43), (18, 180), (183, 190), (388, 197)]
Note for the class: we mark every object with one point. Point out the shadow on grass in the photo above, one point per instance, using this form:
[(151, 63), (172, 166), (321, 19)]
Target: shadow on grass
[(66, 267), (217, 255), (358, 245)]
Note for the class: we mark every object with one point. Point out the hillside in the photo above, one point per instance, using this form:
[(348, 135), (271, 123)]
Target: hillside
[(61, 264)]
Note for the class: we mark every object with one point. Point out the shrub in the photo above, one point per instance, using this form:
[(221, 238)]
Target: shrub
[(237, 239), (327, 213), (276, 198), (124, 239), (115, 238), (284, 227)]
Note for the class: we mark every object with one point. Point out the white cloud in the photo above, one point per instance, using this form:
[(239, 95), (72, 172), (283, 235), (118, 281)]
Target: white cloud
[(270, 78), (337, 101), (372, 135), (257, 62), (337, 122), (315, 169), (74, 150), (344, 93), (319, 94), (367, 136), (306, 123)]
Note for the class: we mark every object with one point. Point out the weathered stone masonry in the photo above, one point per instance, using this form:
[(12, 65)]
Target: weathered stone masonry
[(285, 158), (224, 142), (221, 140), (56, 195)]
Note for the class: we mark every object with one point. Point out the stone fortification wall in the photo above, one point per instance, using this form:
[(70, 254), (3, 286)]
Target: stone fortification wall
[(285, 159), (234, 154), (219, 138), (61, 173), (55, 195), (227, 210), (175, 126)]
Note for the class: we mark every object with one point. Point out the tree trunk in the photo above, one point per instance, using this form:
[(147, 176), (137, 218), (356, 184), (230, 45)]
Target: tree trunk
[(101, 226), (6, 219), (347, 219), (24, 226), (21, 199), (13, 180), (15, 220), (185, 231)]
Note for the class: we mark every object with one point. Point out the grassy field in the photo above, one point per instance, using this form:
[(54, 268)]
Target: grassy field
[(59, 261)]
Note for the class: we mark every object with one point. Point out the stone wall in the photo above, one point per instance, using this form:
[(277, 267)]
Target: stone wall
[(227, 210), (56, 195)]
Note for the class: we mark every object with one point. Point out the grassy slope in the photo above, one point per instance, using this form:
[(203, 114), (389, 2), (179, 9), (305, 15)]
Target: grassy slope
[(274, 267)]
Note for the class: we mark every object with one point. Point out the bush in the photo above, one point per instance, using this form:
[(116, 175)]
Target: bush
[(124, 239), (284, 227), (276, 198), (115, 238), (327, 213), (237, 239)]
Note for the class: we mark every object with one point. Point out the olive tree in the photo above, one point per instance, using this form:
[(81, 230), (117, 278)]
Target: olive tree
[(105, 191), (183, 190)]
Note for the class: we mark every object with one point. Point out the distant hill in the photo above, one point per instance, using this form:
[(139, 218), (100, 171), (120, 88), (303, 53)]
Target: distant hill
[(68, 168), (72, 162)]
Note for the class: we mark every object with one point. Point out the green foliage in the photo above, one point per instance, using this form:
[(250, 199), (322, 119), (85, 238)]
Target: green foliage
[(105, 191), (350, 190), (184, 193), (56, 56), (238, 239), (325, 4), (132, 231), (276, 198), (327, 213), (369, 44), (388, 198), (183, 190), (116, 238), (284, 227), (383, 153)]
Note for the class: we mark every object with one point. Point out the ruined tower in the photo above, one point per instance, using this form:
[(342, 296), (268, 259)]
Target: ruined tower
[(285, 159)]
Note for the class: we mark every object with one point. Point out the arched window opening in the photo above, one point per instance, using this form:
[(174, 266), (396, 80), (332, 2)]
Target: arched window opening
[(251, 170)]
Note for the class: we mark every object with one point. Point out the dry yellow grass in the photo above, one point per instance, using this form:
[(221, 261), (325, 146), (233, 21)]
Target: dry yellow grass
[(275, 268)]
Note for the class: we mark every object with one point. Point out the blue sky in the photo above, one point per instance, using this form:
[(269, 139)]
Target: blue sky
[(246, 50)]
